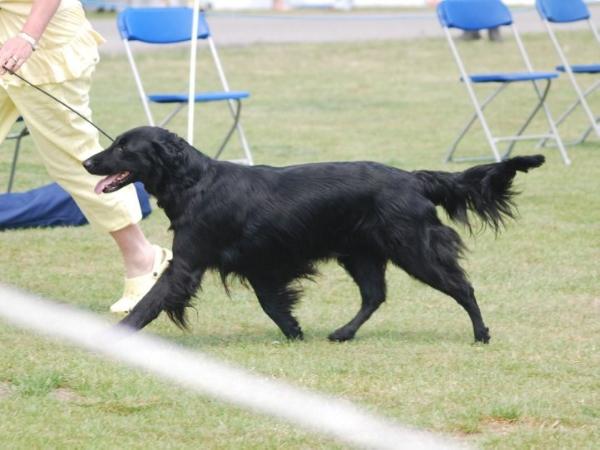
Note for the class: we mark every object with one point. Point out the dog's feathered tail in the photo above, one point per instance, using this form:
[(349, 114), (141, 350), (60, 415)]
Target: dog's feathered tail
[(485, 190)]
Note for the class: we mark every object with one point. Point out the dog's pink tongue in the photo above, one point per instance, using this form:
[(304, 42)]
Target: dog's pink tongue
[(104, 182)]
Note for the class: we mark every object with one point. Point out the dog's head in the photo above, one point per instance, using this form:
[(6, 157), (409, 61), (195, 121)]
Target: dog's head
[(147, 154)]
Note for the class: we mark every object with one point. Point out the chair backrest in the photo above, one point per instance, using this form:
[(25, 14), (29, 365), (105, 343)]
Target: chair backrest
[(160, 25), (563, 11), (473, 14), (167, 25)]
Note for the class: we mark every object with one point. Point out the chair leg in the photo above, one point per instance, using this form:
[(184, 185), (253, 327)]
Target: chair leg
[(560, 120), (236, 120), (24, 132), (470, 123), (236, 112), (584, 104), (561, 148), (538, 106), (244, 142), (568, 112), (172, 114), (568, 70), (586, 134)]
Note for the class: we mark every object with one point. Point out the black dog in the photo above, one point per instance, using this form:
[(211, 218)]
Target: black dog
[(271, 225)]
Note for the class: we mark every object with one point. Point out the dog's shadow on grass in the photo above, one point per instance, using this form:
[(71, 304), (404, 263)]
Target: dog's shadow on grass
[(200, 340), (398, 337), (316, 336)]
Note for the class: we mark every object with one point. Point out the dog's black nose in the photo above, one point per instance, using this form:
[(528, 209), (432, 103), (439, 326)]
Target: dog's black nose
[(88, 164)]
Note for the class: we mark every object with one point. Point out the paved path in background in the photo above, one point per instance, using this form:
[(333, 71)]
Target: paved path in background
[(246, 29)]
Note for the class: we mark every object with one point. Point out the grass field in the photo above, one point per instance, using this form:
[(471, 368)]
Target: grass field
[(537, 385)]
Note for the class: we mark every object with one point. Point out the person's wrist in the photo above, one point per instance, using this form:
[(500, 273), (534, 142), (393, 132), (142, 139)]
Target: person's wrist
[(29, 39)]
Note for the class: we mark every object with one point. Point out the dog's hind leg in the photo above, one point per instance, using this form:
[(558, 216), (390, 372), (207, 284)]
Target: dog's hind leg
[(277, 299), (433, 259), (369, 274)]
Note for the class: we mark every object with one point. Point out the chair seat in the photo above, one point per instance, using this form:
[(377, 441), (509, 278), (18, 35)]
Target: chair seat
[(581, 68), (511, 77), (201, 97)]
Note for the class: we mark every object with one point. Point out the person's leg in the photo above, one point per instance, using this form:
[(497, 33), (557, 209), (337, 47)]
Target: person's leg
[(494, 34), (144, 263), (8, 114), (470, 35), (64, 141), (137, 252)]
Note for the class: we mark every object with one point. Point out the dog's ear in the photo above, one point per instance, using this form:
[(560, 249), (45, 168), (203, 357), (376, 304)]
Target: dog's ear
[(172, 150), (173, 154)]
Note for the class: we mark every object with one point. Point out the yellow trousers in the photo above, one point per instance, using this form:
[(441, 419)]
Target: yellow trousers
[(63, 139)]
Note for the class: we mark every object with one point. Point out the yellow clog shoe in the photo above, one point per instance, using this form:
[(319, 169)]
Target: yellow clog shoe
[(135, 288)]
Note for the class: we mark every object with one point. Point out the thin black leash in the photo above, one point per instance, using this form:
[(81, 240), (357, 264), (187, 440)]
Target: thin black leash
[(61, 102)]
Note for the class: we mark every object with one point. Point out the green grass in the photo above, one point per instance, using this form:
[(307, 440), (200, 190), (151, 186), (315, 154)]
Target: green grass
[(537, 385)]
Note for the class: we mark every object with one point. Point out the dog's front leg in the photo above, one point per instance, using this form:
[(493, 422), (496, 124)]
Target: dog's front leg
[(171, 293)]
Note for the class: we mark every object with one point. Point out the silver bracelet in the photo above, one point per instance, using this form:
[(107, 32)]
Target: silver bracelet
[(30, 40)]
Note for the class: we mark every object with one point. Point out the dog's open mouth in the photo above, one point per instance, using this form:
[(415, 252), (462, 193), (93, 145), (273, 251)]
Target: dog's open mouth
[(113, 183)]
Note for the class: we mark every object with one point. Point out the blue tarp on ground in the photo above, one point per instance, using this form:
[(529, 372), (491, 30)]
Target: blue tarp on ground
[(49, 206)]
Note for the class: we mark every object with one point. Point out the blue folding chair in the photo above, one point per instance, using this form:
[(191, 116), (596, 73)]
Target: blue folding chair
[(471, 15), (174, 25), (561, 12)]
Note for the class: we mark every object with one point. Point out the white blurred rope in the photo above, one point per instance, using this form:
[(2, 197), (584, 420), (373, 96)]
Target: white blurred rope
[(333, 417)]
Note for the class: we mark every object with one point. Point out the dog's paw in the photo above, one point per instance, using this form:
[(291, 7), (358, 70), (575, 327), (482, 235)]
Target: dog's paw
[(341, 335), (131, 322), (295, 335), (483, 336)]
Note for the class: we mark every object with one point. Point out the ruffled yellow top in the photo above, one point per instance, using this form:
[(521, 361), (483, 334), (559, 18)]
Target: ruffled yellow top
[(68, 47)]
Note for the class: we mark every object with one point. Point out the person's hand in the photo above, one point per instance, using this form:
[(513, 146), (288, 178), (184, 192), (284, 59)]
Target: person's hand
[(14, 53)]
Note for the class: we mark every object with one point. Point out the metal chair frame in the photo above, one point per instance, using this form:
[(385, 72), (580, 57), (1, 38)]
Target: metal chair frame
[(235, 105), (480, 107), (582, 95), (17, 136)]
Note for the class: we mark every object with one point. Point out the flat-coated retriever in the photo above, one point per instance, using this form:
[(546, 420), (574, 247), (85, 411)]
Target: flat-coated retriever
[(270, 225)]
